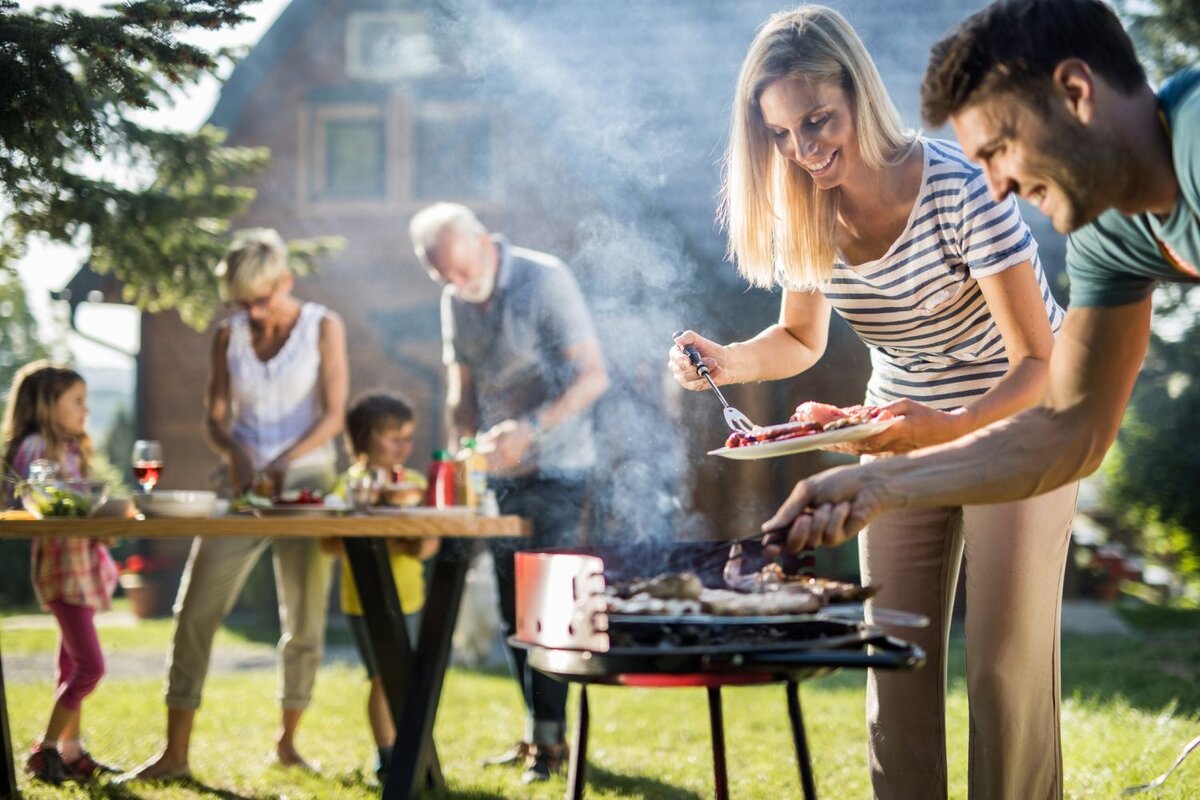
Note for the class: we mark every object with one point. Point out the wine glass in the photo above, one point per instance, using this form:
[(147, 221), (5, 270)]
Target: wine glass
[(147, 463)]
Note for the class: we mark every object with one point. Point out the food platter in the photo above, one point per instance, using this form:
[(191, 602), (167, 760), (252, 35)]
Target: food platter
[(801, 444)]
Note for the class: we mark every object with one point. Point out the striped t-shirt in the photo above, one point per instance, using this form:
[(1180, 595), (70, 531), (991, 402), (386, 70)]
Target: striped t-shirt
[(919, 308)]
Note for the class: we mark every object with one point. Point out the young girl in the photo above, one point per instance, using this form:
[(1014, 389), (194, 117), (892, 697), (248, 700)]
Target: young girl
[(47, 410), (379, 433)]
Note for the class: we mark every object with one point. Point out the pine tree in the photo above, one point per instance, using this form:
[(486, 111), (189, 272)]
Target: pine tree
[(76, 166)]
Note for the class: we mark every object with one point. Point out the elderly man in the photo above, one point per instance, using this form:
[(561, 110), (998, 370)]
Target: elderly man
[(1061, 114), (524, 369)]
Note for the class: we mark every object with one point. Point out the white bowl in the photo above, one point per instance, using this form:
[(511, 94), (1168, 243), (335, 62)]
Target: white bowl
[(177, 503)]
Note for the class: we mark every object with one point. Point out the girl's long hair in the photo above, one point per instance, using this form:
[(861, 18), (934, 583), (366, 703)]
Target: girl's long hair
[(35, 389), (773, 213)]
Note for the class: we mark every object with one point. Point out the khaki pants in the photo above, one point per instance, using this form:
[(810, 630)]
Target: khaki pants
[(1015, 554), (216, 570)]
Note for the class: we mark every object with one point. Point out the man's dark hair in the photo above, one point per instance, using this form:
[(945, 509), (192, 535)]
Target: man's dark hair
[(1014, 46), (371, 413)]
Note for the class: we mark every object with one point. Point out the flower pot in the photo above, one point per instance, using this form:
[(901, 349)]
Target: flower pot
[(148, 596)]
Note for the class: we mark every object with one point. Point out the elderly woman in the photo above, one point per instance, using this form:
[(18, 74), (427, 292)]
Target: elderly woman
[(829, 197), (277, 394)]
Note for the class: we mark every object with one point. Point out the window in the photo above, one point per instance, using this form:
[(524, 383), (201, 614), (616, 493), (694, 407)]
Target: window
[(384, 45), (348, 153), (452, 153), (354, 159)]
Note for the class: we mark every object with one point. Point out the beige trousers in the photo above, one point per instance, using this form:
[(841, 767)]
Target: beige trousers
[(1015, 554), (216, 570)]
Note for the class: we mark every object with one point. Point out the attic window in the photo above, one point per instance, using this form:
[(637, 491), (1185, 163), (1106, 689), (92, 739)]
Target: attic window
[(453, 153), (384, 45)]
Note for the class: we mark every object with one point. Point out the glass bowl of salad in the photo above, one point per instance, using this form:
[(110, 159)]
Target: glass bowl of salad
[(46, 499)]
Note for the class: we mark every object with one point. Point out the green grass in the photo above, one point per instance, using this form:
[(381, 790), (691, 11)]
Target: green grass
[(1130, 704)]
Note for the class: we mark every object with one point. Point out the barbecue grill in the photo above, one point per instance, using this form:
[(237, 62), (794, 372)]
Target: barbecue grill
[(564, 624)]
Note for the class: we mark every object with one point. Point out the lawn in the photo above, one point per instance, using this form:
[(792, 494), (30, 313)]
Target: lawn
[(1130, 704)]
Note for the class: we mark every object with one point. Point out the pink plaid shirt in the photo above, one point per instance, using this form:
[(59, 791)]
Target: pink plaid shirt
[(75, 570)]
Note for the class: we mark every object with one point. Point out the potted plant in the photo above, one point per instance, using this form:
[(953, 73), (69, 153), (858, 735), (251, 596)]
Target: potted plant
[(143, 580)]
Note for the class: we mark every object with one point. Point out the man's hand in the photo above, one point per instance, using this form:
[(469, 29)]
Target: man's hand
[(505, 444), (830, 508), (276, 472)]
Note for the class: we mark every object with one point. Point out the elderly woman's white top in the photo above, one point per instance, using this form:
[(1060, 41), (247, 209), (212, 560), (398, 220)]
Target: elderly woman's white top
[(276, 401)]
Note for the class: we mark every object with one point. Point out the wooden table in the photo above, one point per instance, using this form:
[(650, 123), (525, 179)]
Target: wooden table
[(412, 680)]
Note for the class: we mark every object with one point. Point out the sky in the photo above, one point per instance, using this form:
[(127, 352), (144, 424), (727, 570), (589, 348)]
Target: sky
[(48, 267)]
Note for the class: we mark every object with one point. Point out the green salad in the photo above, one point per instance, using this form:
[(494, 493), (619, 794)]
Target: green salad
[(55, 502)]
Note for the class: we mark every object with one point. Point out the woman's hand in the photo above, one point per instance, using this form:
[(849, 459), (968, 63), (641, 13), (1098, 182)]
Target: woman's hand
[(715, 356), (921, 426), (276, 473), (241, 469)]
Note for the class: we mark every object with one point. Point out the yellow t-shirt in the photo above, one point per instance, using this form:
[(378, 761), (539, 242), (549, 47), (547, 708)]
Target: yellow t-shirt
[(407, 571)]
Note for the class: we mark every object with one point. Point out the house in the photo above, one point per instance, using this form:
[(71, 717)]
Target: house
[(593, 131)]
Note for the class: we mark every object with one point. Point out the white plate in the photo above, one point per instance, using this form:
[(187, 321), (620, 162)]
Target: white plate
[(419, 511), (802, 444)]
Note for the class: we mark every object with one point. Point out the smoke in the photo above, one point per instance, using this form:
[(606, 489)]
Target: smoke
[(645, 232)]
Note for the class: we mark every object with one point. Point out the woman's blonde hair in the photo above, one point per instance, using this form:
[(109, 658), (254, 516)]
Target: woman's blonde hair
[(257, 259), (774, 214), (35, 390)]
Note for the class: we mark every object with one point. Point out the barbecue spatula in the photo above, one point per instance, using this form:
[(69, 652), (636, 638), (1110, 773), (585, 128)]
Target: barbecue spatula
[(735, 419)]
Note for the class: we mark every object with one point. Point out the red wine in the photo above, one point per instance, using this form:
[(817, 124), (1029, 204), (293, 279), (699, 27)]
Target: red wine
[(147, 472)]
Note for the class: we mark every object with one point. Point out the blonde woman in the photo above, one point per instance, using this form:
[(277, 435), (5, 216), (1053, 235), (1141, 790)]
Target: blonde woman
[(828, 196), (277, 391)]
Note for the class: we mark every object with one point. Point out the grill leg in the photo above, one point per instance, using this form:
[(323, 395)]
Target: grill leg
[(717, 723), (797, 720), (577, 771)]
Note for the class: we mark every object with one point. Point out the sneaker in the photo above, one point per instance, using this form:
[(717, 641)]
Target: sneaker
[(85, 768), (518, 754), (544, 760), (47, 765)]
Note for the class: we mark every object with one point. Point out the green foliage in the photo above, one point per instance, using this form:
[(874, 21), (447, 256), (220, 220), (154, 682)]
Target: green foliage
[(19, 339), (1166, 33), (1151, 473), (72, 86)]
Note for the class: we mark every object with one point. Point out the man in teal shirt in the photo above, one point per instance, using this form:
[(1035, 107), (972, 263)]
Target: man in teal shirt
[(1048, 96)]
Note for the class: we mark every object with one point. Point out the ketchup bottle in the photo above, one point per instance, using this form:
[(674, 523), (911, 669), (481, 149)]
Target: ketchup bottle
[(441, 492)]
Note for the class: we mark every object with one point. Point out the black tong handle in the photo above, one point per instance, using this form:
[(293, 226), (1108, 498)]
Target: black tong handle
[(694, 355)]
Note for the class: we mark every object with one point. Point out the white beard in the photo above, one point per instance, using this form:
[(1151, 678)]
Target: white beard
[(479, 290)]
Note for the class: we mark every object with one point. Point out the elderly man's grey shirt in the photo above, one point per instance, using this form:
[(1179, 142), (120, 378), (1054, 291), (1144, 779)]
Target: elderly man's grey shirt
[(514, 346)]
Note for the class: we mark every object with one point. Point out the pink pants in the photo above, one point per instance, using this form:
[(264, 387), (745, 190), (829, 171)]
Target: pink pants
[(80, 660)]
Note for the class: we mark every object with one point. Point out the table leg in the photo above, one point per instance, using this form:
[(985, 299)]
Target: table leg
[(8, 774), (797, 720), (371, 566), (716, 721), (577, 772), (414, 725)]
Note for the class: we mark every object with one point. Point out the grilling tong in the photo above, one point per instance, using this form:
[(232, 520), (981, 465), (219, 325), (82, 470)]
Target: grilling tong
[(735, 419)]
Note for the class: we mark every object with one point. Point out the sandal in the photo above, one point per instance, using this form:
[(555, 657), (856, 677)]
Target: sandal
[(85, 768), (45, 764)]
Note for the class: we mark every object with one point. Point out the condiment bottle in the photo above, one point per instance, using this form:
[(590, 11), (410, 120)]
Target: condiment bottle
[(440, 493), (472, 473)]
